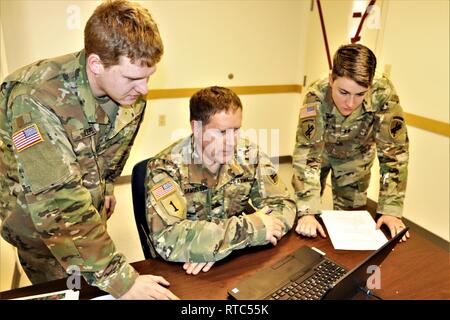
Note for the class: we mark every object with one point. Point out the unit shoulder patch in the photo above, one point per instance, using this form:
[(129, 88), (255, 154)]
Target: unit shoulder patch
[(396, 127), (273, 178), (174, 206), (308, 128)]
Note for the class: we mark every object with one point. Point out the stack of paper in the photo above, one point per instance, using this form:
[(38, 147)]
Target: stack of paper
[(352, 230)]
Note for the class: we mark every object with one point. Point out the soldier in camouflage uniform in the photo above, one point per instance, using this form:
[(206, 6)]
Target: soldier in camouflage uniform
[(66, 128), (346, 119), (212, 192)]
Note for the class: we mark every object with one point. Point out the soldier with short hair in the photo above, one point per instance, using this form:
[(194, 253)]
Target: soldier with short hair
[(66, 128), (345, 120), (212, 192)]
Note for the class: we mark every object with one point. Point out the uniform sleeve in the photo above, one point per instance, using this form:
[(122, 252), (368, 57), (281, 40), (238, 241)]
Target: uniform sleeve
[(269, 190), (59, 205), (393, 154), (307, 157), (179, 239)]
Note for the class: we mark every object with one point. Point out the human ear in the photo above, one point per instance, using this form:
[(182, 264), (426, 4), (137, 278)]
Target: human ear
[(95, 64)]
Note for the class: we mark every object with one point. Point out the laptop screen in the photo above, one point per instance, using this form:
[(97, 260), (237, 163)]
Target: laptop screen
[(355, 280)]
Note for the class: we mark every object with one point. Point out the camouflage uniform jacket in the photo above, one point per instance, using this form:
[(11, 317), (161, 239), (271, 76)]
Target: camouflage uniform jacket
[(194, 217), (61, 150), (378, 124)]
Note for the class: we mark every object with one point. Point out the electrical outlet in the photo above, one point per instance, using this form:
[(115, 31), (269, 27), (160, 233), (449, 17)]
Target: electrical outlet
[(162, 120)]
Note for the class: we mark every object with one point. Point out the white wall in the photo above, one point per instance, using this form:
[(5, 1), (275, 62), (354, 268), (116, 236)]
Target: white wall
[(35, 30), (416, 44), (336, 18), (257, 41), (3, 64), (7, 253), (260, 42)]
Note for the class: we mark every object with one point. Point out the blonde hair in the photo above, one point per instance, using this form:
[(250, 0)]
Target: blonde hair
[(121, 28)]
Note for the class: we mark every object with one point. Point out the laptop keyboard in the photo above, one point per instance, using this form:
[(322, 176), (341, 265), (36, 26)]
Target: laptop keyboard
[(313, 287)]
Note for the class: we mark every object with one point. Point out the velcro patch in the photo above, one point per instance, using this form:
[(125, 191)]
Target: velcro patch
[(273, 178), (396, 127), (308, 127), (27, 137), (174, 206), (309, 110), (161, 191)]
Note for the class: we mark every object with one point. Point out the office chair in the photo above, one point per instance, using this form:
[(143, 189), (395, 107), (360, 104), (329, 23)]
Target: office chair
[(138, 192)]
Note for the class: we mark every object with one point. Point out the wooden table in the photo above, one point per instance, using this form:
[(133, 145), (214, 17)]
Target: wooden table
[(417, 269)]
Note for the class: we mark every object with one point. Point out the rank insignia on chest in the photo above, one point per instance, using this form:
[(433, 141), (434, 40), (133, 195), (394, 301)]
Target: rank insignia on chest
[(162, 190), (308, 128), (89, 132), (396, 127), (27, 137)]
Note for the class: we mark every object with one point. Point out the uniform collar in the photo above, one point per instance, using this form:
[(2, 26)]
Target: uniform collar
[(84, 89), (198, 174), (329, 100), (97, 110), (367, 103)]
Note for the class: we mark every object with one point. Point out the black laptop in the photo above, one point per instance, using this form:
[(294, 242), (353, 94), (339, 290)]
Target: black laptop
[(307, 274)]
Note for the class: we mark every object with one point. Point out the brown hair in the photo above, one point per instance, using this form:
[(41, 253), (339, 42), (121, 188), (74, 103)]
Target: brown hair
[(356, 62), (209, 101), (121, 28)]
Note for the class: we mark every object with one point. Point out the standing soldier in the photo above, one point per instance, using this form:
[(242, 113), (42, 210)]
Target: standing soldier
[(345, 120), (66, 128), (203, 191)]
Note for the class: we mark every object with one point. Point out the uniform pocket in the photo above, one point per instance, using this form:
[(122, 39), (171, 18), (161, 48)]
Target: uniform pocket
[(43, 166)]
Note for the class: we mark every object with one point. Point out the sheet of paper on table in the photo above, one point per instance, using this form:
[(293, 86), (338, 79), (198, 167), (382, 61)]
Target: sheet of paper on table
[(58, 295), (105, 297), (352, 230)]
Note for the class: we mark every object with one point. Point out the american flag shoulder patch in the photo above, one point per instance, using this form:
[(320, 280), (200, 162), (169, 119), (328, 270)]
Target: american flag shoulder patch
[(163, 189), (27, 137), (308, 110)]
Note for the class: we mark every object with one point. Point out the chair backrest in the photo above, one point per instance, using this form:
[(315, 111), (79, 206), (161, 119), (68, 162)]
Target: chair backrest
[(138, 191)]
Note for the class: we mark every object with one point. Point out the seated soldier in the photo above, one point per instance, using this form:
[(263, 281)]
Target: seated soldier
[(200, 189)]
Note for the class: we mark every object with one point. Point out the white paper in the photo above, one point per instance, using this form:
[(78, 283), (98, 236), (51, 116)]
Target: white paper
[(58, 295), (352, 230), (105, 297)]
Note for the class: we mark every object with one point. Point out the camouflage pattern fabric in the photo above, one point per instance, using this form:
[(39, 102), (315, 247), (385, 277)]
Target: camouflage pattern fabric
[(327, 141), (196, 217), (61, 150)]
